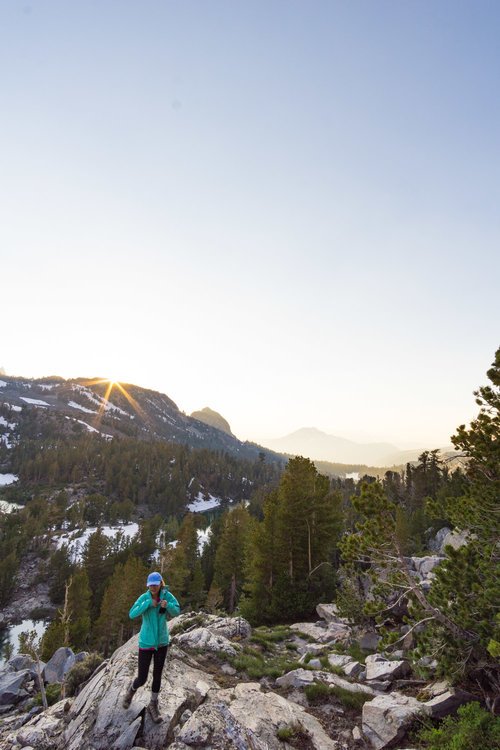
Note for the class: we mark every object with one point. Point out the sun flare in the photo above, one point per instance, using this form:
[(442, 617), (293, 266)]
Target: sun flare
[(110, 385)]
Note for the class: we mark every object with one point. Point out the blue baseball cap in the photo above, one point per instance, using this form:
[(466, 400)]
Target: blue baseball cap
[(154, 579)]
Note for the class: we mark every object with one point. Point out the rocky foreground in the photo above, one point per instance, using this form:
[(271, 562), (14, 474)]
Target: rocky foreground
[(208, 700)]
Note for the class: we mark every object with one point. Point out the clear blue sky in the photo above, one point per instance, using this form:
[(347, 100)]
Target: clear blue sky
[(287, 211)]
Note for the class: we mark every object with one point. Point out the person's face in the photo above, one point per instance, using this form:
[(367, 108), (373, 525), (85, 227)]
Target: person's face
[(154, 588)]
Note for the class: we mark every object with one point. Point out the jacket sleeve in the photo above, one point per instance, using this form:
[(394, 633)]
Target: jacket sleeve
[(141, 605), (173, 607)]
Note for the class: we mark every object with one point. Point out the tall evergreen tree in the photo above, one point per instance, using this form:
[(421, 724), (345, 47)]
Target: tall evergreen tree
[(229, 560), (72, 624), (182, 571), (125, 585), (98, 565), (460, 610), (293, 556)]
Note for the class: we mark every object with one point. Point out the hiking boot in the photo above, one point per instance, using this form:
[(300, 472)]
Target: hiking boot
[(127, 698), (154, 712)]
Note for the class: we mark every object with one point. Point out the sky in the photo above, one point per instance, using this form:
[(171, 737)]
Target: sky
[(284, 210)]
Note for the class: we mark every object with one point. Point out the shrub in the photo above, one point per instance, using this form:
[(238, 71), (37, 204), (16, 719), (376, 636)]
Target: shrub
[(267, 637), (349, 699), (320, 692), (293, 734), (190, 622), (53, 693), (473, 728), (41, 613), (255, 665), (81, 672), (317, 692)]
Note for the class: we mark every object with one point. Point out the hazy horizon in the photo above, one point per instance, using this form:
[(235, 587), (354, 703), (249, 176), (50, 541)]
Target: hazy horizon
[(285, 211)]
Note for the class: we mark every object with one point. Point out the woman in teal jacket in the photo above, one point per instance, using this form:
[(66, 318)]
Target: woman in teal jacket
[(153, 605)]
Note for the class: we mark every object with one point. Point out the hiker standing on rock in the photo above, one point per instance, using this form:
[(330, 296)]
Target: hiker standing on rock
[(153, 605)]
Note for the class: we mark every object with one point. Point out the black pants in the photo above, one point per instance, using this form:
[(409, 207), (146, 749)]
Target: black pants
[(145, 657)]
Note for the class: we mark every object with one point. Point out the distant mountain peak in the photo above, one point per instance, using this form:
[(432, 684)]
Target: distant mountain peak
[(318, 445)]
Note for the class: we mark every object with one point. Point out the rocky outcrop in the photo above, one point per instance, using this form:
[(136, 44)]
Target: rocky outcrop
[(18, 682), (303, 678), (206, 704), (246, 717), (97, 718), (28, 579)]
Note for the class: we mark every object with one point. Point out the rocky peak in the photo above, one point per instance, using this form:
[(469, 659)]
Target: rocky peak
[(212, 418)]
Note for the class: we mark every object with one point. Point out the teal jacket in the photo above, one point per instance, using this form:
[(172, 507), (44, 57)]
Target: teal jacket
[(154, 628)]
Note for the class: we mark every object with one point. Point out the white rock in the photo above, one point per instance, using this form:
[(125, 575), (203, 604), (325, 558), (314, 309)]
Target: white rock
[(386, 718), (208, 641), (424, 565), (356, 734), (339, 660), (379, 668)]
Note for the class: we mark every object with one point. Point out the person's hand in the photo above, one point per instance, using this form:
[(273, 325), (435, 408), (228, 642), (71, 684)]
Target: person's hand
[(163, 604)]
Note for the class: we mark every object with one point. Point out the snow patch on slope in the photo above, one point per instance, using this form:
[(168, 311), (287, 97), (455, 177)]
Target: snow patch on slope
[(34, 401), (199, 505), (76, 543)]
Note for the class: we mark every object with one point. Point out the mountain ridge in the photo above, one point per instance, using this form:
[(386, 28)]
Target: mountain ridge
[(321, 446), (98, 405)]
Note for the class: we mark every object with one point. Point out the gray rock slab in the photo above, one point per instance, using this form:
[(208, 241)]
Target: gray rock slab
[(339, 660), (313, 649), (57, 666), (353, 669), (368, 640), (96, 718), (330, 613), (380, 668), (12, 686), (448, 702), (424, 565), (44, 729), (248, 718), (21, 661), (386, 718)]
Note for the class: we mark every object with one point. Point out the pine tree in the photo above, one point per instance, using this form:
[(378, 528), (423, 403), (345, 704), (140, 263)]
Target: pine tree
[(114, 626), (229, 560), (468, 583), (72, 624), (460, 609), (290, 564), (261, 569), (97, 564), (182, 571), (79, 595)]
